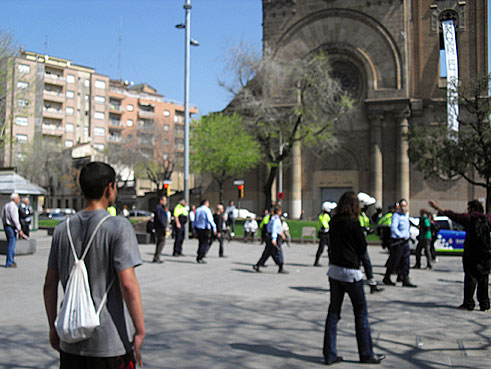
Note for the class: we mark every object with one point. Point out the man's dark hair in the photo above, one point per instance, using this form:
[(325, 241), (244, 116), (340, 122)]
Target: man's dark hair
[(203, 202), (348, 205), (94, 178), (475, 206)]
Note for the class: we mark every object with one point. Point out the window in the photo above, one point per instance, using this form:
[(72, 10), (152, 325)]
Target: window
[(70, 94), (21, 138), (166, 127), (100, 84), (99, 115), (129, 107), (21, 121), (69, 110), (87, 83), (99, 131), (166, 113), (70, 78), (22, 84), (68, 143), (129, 122), (99, 99), (69, 127), (23, 68), (99, 147), (22, 102), (86, 97)]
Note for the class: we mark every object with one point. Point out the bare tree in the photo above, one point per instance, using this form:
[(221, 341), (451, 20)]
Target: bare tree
[(297, 100)]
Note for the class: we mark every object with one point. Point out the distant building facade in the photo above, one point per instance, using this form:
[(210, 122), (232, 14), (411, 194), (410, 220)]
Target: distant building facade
[(388, 54), (53, 100)]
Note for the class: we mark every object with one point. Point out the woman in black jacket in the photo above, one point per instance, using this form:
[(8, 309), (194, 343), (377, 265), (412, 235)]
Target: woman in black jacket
[(348, 245)]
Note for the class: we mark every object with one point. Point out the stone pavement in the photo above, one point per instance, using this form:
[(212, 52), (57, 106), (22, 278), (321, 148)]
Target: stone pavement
[(224, 315)]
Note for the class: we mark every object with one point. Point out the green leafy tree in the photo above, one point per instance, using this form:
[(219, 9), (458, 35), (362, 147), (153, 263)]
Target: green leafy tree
[(223, 148), (450, 155), (285, 102)]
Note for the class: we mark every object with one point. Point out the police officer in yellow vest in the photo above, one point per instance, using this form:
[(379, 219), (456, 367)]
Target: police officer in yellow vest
[(383, 227), (180, 220), (323, 232)]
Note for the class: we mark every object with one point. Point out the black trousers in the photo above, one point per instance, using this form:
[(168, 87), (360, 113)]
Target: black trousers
[(367, 265), (160, 234), (203, 242), (424, 244), (323, 242), (70, 361), (220, 243), (475, 276), (274, 251), (399, 258), (179, 239)]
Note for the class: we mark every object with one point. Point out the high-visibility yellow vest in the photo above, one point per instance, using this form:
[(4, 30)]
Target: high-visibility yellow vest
[(324, 220)]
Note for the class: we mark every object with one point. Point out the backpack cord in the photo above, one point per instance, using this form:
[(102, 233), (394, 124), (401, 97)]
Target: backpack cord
[(104, 298)]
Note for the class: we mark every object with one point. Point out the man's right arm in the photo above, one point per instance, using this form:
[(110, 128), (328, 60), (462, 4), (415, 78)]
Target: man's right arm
[(132, 297), (50, 292)]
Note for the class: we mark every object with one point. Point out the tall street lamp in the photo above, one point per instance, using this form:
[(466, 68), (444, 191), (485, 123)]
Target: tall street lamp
[(187, 43)]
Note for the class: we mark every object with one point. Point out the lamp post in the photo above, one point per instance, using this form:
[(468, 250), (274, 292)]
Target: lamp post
[(187, 43)]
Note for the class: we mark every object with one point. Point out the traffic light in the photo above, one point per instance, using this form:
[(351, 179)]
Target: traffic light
[(167, 189), (241, 191)]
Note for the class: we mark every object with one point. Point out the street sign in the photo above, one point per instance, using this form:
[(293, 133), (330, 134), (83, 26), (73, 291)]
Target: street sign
[(238, 182), (280, 195)]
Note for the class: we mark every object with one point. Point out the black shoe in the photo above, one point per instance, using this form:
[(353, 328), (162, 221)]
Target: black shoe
[(157, 261), (222, 256), (317, 264), (466, 307), (484, 307), (399, 278), (388, 282), (375, 359), (338, 359), (417, 266), (200, 261), (429, 267), (281, 271), (256, 268), (407, 283), (374, 289)]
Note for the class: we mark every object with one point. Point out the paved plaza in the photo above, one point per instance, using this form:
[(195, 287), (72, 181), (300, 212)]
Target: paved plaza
[(224, 315)]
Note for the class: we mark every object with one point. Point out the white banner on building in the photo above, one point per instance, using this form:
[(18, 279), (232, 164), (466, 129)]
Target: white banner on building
[(452, 75)]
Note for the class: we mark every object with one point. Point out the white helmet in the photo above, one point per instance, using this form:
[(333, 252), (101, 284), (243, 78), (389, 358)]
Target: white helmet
[(328, 206), (365, 199)]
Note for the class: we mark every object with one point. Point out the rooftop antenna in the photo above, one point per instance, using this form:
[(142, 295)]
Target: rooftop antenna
[(120, 40)]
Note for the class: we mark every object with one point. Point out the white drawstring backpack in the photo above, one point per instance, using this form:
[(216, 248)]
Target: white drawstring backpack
[(78, 318)]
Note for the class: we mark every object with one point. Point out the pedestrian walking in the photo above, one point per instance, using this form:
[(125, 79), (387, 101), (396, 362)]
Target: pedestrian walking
[(25, 215), (180, 220), (11, 226), (160, 226), (323, 232), (424, 240), (348, 245), (113, 257), (203, 225)]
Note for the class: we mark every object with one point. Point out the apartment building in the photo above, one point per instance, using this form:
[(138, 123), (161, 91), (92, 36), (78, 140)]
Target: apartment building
[(57, 102)]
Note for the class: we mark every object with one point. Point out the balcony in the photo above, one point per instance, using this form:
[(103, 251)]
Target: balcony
[(53, 96), (146, 113), (53, 113), (52, 130), (54, 79), (178, 133), (146, 125), (115, 139), (115, 108), (116, 123)]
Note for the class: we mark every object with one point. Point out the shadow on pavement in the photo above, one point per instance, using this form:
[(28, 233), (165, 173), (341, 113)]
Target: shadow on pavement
[(317, 290), (273, 351)]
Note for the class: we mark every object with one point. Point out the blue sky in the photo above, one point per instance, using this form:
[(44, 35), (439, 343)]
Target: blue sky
[(152, 49)]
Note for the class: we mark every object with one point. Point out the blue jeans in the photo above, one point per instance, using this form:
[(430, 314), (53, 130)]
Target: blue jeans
[(11, 238), (363, 335)]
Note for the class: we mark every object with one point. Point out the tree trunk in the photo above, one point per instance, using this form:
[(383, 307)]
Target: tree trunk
[(488, 199), (268, 185), (220, 192)]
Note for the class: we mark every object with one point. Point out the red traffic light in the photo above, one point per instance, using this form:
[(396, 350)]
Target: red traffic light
[(166, 185), (241, 187)]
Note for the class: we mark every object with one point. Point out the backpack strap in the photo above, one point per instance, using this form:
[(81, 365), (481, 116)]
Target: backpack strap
[(90, 240)]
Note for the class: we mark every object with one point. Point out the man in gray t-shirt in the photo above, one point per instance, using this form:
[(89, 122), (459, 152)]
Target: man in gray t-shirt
[(113, 254)]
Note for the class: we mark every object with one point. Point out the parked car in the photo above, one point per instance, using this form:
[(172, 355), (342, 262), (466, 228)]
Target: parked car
[(140, 213), (243, 214), (450, 237), (58, 213)]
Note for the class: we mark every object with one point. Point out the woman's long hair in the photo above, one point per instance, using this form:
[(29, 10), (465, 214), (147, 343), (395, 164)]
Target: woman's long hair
[(348, 205)]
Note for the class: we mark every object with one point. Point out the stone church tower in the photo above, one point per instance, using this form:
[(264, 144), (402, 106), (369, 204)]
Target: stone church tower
[(387, 52)]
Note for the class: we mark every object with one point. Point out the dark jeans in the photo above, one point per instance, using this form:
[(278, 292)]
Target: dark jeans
[(271, 250), (203, 242), (323, 242), (472, 277), (179, 239), (399, 258), (220, 243), (363, 335), (11, 239), (367, 265), (70, 361), (160, 235), (424, 244)]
